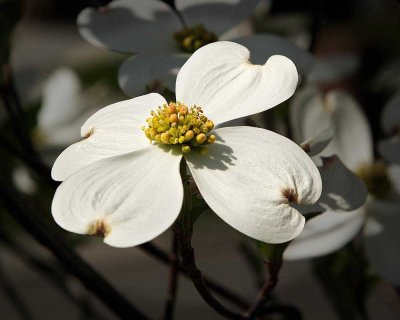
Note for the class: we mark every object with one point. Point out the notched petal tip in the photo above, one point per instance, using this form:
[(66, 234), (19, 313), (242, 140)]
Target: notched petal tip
[(290, 195), (99, 228), (88, 133)]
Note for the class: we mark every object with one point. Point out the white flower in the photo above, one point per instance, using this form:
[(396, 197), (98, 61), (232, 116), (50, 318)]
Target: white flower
[(311, 113), (147, 28), (352, 142), (120, 186), (390, 147), (160, 38)]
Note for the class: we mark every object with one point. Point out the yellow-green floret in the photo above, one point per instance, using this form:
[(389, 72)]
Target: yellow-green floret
[(376, 178), (190, 39), (176, 124)]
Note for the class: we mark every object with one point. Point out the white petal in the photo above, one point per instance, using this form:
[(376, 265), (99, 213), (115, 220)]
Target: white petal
[(353, 139), (342, 190), (318, 143), (220, 78), (325, 234), (23, 180), (391, 115), (265, 45), (308, 117), (65, 134), (244, 176), (113, 130), (61, 99), (382, 249), (137, 195), (130, 26), (218, 16), (390, 149), (158, 70)]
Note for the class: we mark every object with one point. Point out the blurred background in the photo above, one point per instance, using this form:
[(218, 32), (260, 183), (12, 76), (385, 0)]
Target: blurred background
[(52, 80)]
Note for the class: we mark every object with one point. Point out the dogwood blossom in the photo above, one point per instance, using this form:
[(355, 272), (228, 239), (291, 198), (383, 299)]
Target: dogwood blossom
[(352, 141), (162, 38), (311, 113), (120, 186), (159, 58)]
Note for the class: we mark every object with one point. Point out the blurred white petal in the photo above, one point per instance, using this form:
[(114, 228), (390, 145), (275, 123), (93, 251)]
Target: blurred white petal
[(61, 99), (218, 16), (23, 180), (154, 71), (220, 78), (308, 116), (262, 46), (131, 26), (352, 140), (245, 176), (325, 234), (318, 143)]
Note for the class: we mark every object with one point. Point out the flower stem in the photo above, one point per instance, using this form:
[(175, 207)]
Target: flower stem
[(173, 280), (183, 229)]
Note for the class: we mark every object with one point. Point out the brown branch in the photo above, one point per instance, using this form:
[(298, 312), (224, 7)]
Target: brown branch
[(32, 222), (265, 292), (223, 292)]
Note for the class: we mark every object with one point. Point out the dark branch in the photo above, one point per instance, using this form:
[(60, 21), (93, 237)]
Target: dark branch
[(32, 222)]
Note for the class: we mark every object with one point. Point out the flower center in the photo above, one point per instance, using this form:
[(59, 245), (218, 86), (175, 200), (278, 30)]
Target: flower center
[(192, 38), (376, 178), (176, 124)]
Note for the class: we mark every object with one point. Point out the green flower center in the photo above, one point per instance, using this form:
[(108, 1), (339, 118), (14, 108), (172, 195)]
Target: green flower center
[(376, 178), (190, 39), (176, 124)]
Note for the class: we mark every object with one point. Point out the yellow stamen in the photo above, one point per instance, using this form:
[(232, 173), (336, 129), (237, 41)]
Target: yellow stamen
[(177, 124)]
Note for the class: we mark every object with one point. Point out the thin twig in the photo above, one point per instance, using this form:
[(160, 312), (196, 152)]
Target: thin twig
[(189, 264), (223, 292), (52, 272), (32, 222), (265, 292), (13, 296), (14, 109), (37, 166), (173, 280)]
